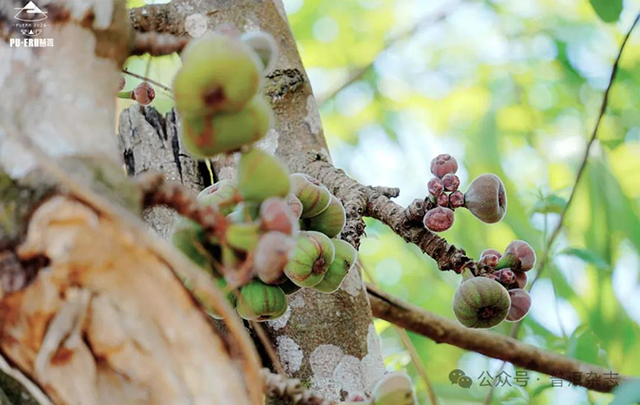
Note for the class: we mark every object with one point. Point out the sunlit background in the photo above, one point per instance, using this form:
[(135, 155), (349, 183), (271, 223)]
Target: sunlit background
[(511, 87)]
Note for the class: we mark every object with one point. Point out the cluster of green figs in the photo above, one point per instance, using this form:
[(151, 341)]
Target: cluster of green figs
[(279, 236)]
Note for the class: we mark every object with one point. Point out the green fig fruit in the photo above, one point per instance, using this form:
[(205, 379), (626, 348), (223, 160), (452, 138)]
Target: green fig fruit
[(205, 136), (330, 221), (261, 302), (218, 73), (189, 238), (276, 215), (481, 303), (221, 283), (295, 205), (313, 195), (394, 389), (243, 236), (272, 255), (261, 176), (223, 195), (310, 259), (344, 259), (486, 198)]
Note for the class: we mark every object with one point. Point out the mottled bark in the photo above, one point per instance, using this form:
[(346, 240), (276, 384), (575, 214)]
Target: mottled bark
[(327, 341)]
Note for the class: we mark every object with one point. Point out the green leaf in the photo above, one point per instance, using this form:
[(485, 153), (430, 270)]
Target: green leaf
[(550, 204), (627, 394), (608, 10), (587, 256), (585, 346)]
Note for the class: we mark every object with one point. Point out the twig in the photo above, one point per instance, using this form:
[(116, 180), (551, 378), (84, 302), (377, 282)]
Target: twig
[(443, 330), (289, 390), (157, 44), (427, 20), (541, 265), (141, 77), (413, 353)]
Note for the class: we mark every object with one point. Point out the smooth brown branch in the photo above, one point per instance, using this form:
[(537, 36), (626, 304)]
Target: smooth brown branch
[(443, 330), (156, 44), (289, 390)]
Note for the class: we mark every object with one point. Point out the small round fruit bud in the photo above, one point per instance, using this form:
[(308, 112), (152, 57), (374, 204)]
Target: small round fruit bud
[(330, 221), (143, 93), (344, 259), (261, 176), (261, 302), (275, 215), (518, 256), (295, 205), (456, 199), (520, 304), (486, 198), (443, 164), (450, 182), (443, 200), (435, 187), (271, 255), (205, 136), (264, 46), (123, 82), (313, 195), (438, 219), (310, 259), (481, 303), (490, 260), (223, 196), (506, 276), (490, 252), (218, 73), (521, 280)]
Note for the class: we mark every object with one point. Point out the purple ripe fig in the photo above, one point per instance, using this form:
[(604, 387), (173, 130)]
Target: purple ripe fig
[(271, 255), (505, 276), (521, 280), (490, 252), (261, 176), (443, 164), (456, 199), (486, 198), (481, 303), (310, 259), (330, 221), (222, 195), (520, 304), (450, 181), (313, 195), (219, 73), (518, 256), (295, 205), (438, 219), (276, 215), (490, 260), (261, 302), (435, 187), (143, 93), (443, 200), (344, 259)]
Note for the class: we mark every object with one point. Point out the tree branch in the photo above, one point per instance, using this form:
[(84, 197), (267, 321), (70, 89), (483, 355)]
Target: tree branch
[(156, 44), (443, 330)]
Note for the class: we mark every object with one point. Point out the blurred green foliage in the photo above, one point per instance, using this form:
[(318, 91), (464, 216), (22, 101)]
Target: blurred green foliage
[(511, 87)]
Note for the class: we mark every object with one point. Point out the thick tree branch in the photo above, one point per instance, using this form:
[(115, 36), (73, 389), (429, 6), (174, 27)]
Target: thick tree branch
[(491, 344)]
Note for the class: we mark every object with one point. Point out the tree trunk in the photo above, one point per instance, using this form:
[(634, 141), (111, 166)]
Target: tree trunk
[(328, 341), (91, 308)]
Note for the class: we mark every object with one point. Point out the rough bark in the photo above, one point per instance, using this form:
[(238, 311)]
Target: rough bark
[(102, 317), (327, 341)]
